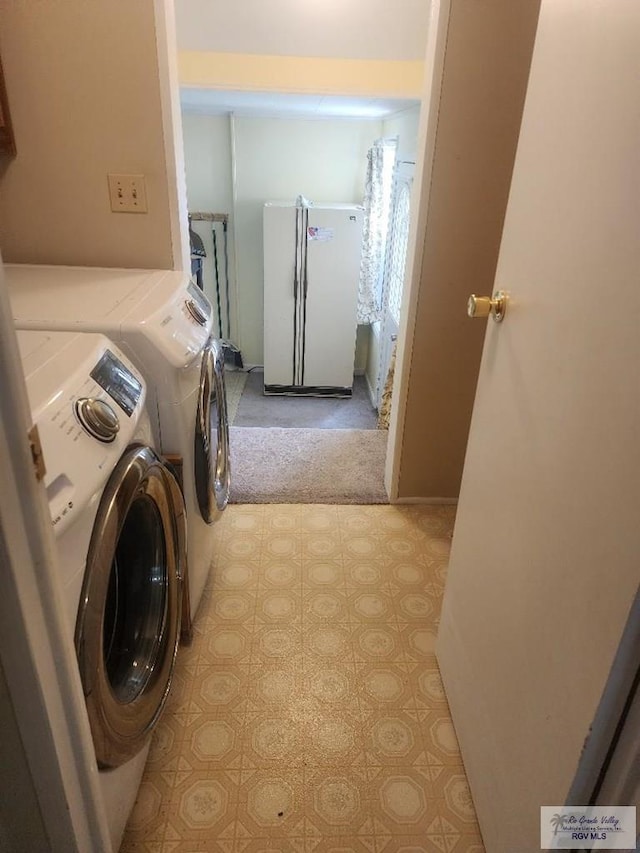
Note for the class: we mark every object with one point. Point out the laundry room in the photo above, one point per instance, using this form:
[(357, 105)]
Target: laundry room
[(184, 668), (102, 290)]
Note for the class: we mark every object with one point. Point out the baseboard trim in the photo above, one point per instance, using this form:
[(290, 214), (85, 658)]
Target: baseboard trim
[(447, 501)]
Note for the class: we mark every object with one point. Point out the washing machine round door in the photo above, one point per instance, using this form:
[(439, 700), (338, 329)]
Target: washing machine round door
[(211, 441), (128, 624)]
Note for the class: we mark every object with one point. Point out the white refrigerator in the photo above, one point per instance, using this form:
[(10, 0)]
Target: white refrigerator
[(311, 274)]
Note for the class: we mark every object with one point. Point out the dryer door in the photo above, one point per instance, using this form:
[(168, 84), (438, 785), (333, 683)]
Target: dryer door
[(212, 470), (128, 623)]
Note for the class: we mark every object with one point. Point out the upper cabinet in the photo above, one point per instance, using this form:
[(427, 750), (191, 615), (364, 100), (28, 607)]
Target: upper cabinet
[(7, 142)]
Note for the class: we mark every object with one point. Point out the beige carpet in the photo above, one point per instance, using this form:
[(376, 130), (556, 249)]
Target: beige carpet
[(331, 466), (257, 410)]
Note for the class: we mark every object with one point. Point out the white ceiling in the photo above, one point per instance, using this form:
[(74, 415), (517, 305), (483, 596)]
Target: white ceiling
[(272, 104), (341, 29)]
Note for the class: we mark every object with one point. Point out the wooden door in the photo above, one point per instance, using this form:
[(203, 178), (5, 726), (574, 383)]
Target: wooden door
[(546, 553)]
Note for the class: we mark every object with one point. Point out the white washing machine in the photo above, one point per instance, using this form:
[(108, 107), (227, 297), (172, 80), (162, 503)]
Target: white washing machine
[(120, 529), (162, 321)]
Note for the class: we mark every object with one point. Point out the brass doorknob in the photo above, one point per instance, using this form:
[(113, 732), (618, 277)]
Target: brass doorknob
[(483, 306)]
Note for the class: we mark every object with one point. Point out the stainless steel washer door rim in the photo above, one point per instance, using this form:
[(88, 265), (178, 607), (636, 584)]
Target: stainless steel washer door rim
[(211, 440), (128, 625)]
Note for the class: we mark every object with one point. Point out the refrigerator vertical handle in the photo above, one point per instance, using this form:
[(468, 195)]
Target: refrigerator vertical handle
[(295, 258)]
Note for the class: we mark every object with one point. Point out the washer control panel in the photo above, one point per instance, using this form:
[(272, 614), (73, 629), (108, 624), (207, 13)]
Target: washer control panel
[(98, 418), (118, 381), (88, 401), (198, 305)]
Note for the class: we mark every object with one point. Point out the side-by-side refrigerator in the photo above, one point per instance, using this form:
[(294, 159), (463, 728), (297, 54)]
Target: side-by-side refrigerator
[(311, 274)]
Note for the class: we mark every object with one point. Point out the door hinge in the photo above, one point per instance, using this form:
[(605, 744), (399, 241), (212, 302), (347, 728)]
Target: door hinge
[(36, 453)]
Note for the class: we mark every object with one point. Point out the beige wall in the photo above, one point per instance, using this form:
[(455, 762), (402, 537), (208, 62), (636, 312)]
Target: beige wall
[(373, 78), (464, 196), (85, 87), (364, 47), (362, 29), (404, 125), (207, 154)]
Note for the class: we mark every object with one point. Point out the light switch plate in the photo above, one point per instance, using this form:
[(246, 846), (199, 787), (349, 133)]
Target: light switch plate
[(127, 193)]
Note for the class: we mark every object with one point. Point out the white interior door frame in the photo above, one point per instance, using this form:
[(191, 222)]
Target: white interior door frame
[(167, 53), (426, 146)]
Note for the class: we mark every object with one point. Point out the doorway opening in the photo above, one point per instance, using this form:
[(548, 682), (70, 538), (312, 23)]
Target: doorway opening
[(336, 148)]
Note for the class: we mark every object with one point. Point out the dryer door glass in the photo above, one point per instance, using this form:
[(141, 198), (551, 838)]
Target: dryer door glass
[(211, 440), (128, 623)]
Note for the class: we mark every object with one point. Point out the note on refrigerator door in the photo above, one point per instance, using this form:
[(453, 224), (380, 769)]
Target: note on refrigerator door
[(322, 235)]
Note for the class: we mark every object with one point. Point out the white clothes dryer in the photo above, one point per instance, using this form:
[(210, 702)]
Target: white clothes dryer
[(120, 530), (162, 321)]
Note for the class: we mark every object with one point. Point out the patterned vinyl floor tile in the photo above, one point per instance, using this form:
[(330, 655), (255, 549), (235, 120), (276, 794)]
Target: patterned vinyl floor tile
[(308, 714)]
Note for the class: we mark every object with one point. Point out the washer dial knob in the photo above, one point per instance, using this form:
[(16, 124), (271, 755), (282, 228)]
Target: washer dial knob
[(98, 418), (196, 312)]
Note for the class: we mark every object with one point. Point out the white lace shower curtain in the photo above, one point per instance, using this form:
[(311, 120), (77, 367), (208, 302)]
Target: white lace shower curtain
[(377, 198)]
